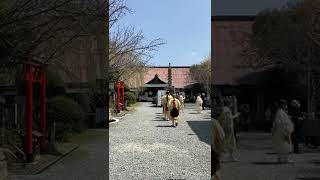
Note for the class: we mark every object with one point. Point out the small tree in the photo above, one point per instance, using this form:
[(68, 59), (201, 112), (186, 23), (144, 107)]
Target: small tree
[(201, 73), (288, 38)]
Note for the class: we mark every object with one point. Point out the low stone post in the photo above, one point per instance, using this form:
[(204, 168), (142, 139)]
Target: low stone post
[(110, 114)]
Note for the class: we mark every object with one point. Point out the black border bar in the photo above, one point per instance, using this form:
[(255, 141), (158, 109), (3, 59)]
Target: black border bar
[(233, 18)]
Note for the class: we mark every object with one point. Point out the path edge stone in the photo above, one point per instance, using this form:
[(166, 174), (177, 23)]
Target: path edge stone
[(56, 160)]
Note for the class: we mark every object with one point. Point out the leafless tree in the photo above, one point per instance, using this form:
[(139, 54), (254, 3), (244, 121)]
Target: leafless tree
[(42, 29), (129, 50), (201, 73), (45, 29)]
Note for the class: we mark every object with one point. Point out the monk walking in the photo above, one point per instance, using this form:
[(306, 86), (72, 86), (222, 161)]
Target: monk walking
[(174, 109), (281, 133), (199, 103), (226, 121), (165, 105), (181, 99)]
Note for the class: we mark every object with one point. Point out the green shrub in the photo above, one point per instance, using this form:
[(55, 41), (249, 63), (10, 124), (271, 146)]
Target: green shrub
[(130, 97), (83, 100), (68, 115), (126, 88), (55, 85), (10, 137)]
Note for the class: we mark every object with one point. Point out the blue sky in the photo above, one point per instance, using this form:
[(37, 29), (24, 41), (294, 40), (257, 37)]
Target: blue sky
[(183, 24)]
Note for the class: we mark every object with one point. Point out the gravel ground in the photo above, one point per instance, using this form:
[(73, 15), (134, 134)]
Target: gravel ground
[(88, 162), (258, 162), (144, 147)]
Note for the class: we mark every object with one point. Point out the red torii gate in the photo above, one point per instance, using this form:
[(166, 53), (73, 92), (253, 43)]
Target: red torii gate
[(120, 95), (30, 78)]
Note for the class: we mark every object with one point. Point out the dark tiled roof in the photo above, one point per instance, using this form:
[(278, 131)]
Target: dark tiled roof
[(156, 80)]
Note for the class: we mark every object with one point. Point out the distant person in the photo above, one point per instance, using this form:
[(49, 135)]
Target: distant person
[(174, 109), (297, 119), (165, 105), (281, 133), (199, 103), (181, 99), (203, 97), (193, 99), (226, 120), (245, 116), (234, 108), (208, 101)]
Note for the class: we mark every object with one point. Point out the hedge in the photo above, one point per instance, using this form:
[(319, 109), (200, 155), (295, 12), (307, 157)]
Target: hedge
[(130, 97), (55, 85), (68, 115)]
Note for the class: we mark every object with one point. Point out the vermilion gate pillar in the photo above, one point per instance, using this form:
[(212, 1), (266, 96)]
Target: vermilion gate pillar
[(118, 96), (122, 88), (29, 112)]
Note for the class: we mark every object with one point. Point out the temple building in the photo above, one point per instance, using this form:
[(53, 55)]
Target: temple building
[(180, 75), (230, 26)]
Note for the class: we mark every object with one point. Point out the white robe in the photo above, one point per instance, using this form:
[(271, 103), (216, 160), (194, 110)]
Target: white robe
[(177, 105), (165, 104), (281, 132), (217, 137), (199, 103), (226, 122)]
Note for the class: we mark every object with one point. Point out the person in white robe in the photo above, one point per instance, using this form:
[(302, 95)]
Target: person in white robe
[(165, 105), (174, 103), (181, 99), (226, 120), (199, 102), (281, 133)]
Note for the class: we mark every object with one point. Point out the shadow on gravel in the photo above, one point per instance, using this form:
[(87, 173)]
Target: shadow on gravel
[(164, 126), (265, 163), (201, 129), (271, 153), (191, 134), (317, 162)]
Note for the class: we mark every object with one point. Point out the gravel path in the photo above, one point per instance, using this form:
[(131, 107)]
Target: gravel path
[(258, 162), (88, 162), (144, 147)]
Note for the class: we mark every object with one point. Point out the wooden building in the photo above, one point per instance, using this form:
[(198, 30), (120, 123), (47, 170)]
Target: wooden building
[(231, 23)]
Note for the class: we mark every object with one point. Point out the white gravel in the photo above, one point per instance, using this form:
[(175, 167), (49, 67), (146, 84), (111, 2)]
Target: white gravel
[(144, 146)]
